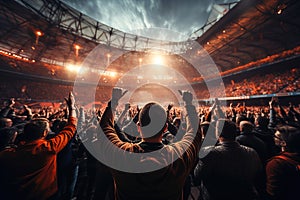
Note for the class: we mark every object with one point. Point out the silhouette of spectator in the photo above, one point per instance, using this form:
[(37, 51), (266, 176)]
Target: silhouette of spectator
[(262, 131), (167, 181), (29, 171), (248, 138), (229, 170), (283, 170)]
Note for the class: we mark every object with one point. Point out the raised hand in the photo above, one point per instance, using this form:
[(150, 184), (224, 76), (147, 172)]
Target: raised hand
[(170, 106), (70, 101), (187, 96), (71, 105), (118, 93)]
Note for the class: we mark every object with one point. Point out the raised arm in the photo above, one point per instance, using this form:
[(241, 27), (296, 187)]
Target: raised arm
[(58, 142), (189, 146), (107, 122)]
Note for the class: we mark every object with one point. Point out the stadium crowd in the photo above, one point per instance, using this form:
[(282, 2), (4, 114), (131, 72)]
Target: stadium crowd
[(232, 152), (250, 152)]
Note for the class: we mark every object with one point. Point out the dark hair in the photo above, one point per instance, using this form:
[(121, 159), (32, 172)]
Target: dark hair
[(291, 136), (152, 120), (35, 129), (246, 126), (262, 121), (62, 125), (226, 129), (241, 118)]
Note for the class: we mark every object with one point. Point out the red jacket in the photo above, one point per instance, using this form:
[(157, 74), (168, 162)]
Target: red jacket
[(283, 177), (29, 171)]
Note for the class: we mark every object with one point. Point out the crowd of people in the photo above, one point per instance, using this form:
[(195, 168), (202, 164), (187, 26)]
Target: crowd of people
[(270, 81), (248, 152)]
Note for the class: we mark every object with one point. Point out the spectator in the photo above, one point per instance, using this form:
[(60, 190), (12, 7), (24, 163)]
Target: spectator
[(8, 109), (262, 131), (67, 168), (29, 171), (27, 112), (283, 171), (248, 138), (5, 122), (229, 170), (167, 182)]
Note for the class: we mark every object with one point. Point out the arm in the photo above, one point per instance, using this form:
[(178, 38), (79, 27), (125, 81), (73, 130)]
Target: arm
[(61, 139), (107, 121), (191, 141), (81, 119), (233, 112), (120, 120), (272, 121)]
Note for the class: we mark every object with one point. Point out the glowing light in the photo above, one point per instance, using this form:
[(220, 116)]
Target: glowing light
[(158, 60), (109, 73), (73, 68), (76, 47), (38, 34), (112, 74)]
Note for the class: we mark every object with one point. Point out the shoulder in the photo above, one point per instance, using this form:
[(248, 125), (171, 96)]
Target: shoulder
[(7, 150), (247, 149), (279, 162)]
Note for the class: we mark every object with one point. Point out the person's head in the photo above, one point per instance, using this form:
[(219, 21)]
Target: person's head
[(62, 125), (5, 122), (262, 121), (37, 128), (55, 125), (240, 117), (288, 138), (225, 129), (152, 120), (246, 127)]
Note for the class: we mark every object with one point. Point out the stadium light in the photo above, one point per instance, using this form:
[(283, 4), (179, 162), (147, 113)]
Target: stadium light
[(76, 47), (158, 60), (38, 34), (73, 68)]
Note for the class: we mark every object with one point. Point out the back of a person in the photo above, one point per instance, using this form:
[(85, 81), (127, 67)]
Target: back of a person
[(283, 170), (250, 140), (229, 170), (231, 174), (27, 173), (162, 184), (29, 170), (285, 173), (150, 169)]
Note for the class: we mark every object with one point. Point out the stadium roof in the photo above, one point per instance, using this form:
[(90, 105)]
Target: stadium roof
[(250, 31)]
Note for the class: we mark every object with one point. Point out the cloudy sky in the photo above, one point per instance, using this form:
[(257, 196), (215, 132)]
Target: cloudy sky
[(182, 16)]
